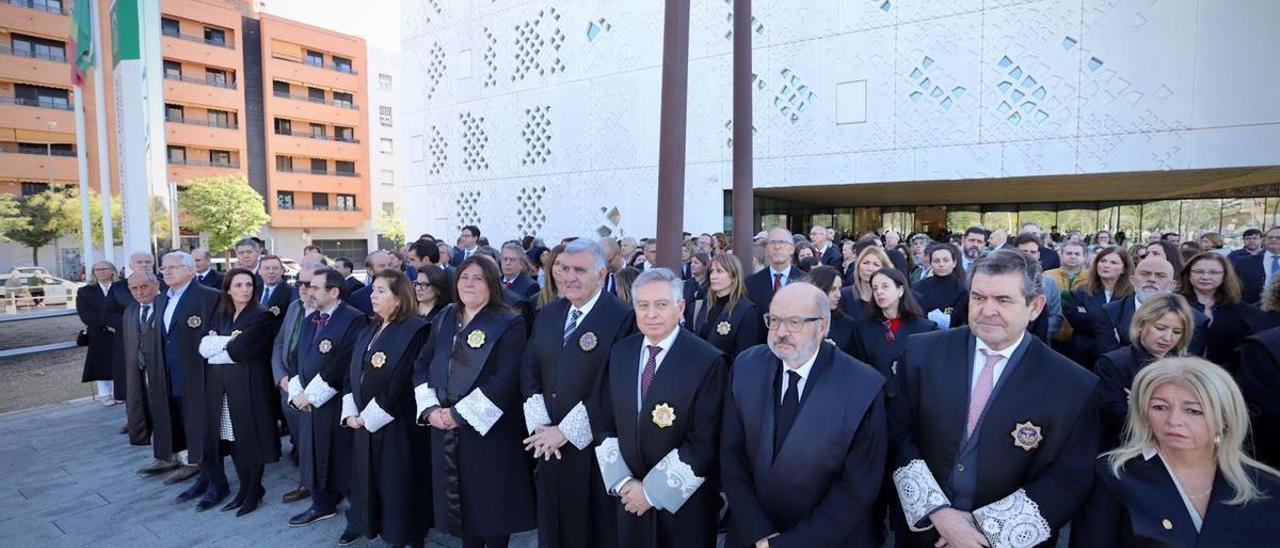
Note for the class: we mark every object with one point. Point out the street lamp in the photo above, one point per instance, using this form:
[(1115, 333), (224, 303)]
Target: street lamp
[(48, 151)]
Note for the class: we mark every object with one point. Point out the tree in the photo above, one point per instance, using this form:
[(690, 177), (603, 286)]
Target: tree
[(10, 217), (225, 207), (390, 224), (95, 216), (45, 217)]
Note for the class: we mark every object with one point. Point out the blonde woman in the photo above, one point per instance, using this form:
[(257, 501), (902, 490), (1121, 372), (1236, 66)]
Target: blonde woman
[(855, 296), (92, 303), (549, 291), (1162, 327), (728, 320), (1181, 477)]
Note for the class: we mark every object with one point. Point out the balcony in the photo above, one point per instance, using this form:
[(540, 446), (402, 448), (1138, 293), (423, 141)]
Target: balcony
[(315, 73), (33, 17), (46, 6), (222, 95), (33, 115), (38, 163), (42, 102), (197, 39), (318, 137), (204, 123), (314, 207), (301, 216), (32, 54), (204, 135), (333, 103), (317, 171), (201, 81), (344, 69), (202, 163)]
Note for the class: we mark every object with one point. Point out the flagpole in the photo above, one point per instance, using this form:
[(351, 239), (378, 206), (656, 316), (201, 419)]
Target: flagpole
[(100, 107), (82, 164)]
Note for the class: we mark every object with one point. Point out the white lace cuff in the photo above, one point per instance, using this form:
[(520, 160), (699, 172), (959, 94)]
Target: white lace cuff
[(295, 387), (535, 413), (211, 345), (319, 392), (221, 358), (669, 484), (576, 427), (918, 492), (1013, 522), (478, 411), (348, 409), (612, 468), (425, 397), (374, 417)]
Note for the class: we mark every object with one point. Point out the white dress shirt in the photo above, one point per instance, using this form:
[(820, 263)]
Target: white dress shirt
[(979, 360), (803, 371), (171, 305), (106, 288), (586, 309), (786, 276), (665, 345)]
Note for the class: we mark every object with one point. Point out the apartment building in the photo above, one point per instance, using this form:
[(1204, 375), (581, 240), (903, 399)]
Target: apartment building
[(386, 152)]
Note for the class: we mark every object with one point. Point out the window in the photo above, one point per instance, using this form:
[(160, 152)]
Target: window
[(388, 177), (384, 115), (284, 163), (170, 27), (38, 48), (173, 70), (316, 95), (346, 202), (319, 166), (174, 113), (345, 168), (47, 6), (384, 82), (215, 36), (219, 118), (341, 65), (220, 158), (346, 134), (40, 96), (43, 149), (280, 89), (386, 146), (31, 189), (317, 131), (315, 58), (319, 201), (342, 99), (216, 77), (284, 199), (177, 155), (389, 208), (284, 127)]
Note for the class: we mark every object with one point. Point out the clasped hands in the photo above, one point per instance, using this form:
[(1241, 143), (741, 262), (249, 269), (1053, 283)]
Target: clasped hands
[(633, 498), (957, 529), (545, 442), (441, 418)]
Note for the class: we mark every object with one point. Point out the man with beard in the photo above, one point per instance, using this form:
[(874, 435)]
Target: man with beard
[(1153, 276), (971, 246)]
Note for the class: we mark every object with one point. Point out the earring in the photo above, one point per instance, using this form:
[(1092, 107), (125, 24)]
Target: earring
[(1217, 439)]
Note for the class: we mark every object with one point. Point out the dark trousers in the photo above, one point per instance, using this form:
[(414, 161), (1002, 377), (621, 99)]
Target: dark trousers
[(324, 501), (485, 542)]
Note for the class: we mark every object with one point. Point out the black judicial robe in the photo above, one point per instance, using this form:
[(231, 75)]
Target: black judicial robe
[(944, 294), (1133, 509), (481, 481), (841, 330), (760, 287), (1083, 312), (574, 508), (928, 416), (118, 299), (212, 279), (851, 305), (362, 300), (100, 357), (691, 382), (1117, 315), (819, 489), (326, 354), (872, 346), (740, 327), (695, 294), (389, 491), (1253, 276), (524, 286), (1259, 378), (1225, 331), (143, 356), (523, 306), (184, 374), (1257, 323), (1116, 370), (277, 305), (349, 287), (251, 396)]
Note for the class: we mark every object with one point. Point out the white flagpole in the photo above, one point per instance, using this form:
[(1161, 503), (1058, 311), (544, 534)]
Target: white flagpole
[(100, 106), (82, 165)]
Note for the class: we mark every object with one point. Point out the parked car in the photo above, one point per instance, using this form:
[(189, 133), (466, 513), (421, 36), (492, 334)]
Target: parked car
[(34, 287)]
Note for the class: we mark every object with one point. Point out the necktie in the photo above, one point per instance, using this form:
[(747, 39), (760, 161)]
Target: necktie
[(574, 316), (297, 328), (266, 294), (787, 412), (321, 321), (982, 392), (507, 283), (650, 368), (777, 282), (142, 356), (1275, 267), (146, 315)]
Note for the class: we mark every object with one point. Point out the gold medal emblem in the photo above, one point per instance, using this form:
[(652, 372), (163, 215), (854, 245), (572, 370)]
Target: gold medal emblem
[(1026, 435), (378, 360), (235, 333), (275, 310), (475, 339), (588, 341), (1168, 525), (663, 415), (325, 346), (949, 310), (723, 328), (193, 322)]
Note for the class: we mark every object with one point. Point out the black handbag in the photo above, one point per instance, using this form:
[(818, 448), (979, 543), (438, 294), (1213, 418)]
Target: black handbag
[(83, 338)]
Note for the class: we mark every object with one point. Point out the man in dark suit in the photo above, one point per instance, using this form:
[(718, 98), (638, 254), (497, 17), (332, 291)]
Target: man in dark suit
[(614, 261), (351, 285), (141, 362), (804, 435), (828, 251), (514, 267), (1048, 257), (656, 420), (562, 363), (1256, 271), (204, 269), (376, 262), (1153, 276), (468, 244), (1252, 245), (283, 360), (993, 434), (763, 284), (118, 299), (185, 310), (276, 293)]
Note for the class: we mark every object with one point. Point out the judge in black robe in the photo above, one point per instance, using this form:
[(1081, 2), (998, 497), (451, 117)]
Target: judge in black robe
[(1083, 310), (522, 285), (1259, 378), (1113, 327), (1225, 331), (468, 377), (942, 296), (659, 423), (1116, 370), (388, 490), (1257, 323), (875, 344), (558, 375), (730, 329)]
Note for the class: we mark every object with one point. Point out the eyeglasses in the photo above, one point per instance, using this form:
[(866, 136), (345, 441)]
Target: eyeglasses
[(780, 243), (793, 323), (303, 284), (1214, 273), (421, 285)]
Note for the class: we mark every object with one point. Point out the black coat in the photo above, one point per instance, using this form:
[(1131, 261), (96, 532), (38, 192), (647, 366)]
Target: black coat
[(361, 299), (944, 294), (91, 306), (277, 305), (574, 510), (760, 287), (118, 299), (841, 331), (1084, 314), (691, 381), (851, 305), (1049, 259), (1143, 509), (184, 375), (1113, 327), (1225, 331), (695, 295), (349, 287), (731, 331), (1116, 370), (389, 492), (246, 384), (212, 279), (872, 346), (1253, 276), (1259, 378), (524, 286), (832, 257), (1257, 323), (144, 351), (819, 488), (324, 446), (482, 484)]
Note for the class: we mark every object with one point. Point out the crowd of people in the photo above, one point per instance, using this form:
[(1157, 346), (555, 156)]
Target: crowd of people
[(970, 389)]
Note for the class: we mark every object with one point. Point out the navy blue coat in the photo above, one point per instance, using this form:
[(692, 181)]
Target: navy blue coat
[(325, 446), (760, 287), (1113, 327), (1253, 276)]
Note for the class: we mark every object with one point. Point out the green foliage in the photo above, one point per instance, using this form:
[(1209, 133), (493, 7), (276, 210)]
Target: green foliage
[(225, 207), (391, 226), (43, 218), (10, 219)]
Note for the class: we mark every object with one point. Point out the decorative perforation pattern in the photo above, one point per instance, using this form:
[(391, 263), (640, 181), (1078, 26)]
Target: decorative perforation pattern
[(433, 7), (596, 28), (436, 149), (435, 67), (474, 141), (756, 25), (610, 222), (794, 96), (537, 135), (467, 211), (1021, 94), (490, 58), (530, 214), (929, 90), (538, 43)]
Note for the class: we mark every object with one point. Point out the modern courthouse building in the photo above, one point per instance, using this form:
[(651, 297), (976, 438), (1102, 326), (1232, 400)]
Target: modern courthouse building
[(543, 116), (280, 102)]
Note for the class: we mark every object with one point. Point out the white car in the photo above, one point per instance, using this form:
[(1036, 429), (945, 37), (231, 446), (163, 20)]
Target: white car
[(34, 287)]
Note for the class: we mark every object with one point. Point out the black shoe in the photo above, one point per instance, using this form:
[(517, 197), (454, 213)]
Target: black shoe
[(212, 497), (192, 492), (296, 495), (348, 537), (236, 502), (250, 505), (312, 515), (181, 474)]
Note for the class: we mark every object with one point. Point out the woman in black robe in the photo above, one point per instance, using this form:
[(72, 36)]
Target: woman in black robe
[(388, 486), (239, 396), (828, 279), (431, 291), (467, 388), (943, 293), (880, 337), (1106, 280), (728, 320), (1210, 285)]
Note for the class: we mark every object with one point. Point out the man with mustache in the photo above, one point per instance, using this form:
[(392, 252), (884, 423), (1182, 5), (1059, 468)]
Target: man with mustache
[(1153, 276)]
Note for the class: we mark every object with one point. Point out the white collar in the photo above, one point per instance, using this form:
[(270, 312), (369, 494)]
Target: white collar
[(665, 343), (332, 307), (804, 369), (785, 273), (1007, 353), (586, 308)]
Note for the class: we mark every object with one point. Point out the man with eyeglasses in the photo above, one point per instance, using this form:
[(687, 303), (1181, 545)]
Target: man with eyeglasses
[(1257, 271), (283, 358), (804, 434), (1153, 276), (659, 419), (761, 286)]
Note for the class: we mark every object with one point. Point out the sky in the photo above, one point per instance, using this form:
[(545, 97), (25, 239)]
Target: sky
[(377, 21)]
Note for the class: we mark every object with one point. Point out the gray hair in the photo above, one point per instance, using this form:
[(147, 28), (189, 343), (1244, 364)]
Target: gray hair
[(249, 242), (1008, 261), (140, 254), (584, 245), (660, 274), (186, 258), (151, 276), (919, 237)]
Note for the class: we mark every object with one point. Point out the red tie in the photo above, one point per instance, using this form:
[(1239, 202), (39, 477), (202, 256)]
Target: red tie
[(777, 282), (650, 368), (507, 283)]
